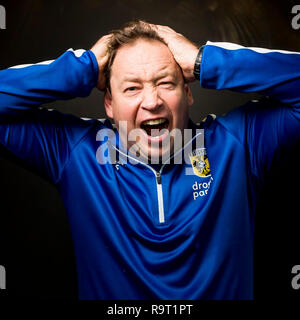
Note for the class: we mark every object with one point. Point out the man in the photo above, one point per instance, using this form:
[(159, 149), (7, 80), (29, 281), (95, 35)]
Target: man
[(162, 230)]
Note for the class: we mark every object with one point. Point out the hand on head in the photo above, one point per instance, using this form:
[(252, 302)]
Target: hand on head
[(100, 50), (183, 50)]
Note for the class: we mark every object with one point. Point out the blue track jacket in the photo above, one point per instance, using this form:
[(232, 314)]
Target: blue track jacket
[(139, 234)]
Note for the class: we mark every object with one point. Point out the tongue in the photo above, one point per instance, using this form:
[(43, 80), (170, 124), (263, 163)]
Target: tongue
[(154, 130)]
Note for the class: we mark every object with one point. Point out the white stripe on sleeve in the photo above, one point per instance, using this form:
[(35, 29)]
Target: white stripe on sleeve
[(78, 53), (233, 46)]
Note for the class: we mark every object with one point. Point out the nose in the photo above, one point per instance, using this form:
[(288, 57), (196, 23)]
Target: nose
[(151, 100)]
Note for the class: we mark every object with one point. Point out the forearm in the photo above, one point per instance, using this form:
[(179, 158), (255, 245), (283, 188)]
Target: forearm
[(266, 130), (272, 73), (73, 74)]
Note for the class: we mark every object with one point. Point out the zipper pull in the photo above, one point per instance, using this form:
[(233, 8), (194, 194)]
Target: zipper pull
[(158, 177)]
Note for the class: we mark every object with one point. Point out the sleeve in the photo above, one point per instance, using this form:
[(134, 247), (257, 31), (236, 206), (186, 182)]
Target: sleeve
[(42, 138), (267, 128)]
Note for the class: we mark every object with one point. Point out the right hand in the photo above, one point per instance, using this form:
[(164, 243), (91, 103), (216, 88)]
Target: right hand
[(100, 51)]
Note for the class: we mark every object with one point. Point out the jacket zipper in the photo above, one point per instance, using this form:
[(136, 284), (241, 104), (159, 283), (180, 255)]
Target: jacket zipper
[(160, 199)]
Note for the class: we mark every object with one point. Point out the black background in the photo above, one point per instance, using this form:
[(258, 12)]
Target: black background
[(35, 239)]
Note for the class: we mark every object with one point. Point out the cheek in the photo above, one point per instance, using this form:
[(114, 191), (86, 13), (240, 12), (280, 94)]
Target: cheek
[(176, 103), (125, 110)]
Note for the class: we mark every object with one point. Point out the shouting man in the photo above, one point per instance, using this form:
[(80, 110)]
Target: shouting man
[(159, 207)]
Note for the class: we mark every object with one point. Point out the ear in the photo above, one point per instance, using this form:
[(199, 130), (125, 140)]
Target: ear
[(108, 104), (189, 95)]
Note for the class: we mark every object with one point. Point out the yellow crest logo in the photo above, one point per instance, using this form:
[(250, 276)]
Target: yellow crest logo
[(200, 162)]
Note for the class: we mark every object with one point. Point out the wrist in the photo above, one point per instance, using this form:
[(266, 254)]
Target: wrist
[(188, 66), (197, 65)]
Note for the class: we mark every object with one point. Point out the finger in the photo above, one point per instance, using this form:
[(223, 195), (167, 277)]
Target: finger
[(105, 39), (161, 28), (153, 26), (165, 29)]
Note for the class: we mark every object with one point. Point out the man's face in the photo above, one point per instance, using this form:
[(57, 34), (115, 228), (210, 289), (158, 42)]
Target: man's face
[(148, 92)]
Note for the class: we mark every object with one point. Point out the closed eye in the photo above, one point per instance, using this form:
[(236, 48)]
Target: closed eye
[(167, 84)]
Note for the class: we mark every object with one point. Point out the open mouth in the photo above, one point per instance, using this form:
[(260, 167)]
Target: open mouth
[(153, 127)]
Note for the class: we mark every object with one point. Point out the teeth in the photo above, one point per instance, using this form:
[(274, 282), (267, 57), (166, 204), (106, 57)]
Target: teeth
[(154, 122)]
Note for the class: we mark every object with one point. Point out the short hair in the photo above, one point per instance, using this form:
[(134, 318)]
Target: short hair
[(129, 33)]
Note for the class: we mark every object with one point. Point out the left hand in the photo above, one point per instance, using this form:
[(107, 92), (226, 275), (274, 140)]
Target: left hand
[(183, 50)]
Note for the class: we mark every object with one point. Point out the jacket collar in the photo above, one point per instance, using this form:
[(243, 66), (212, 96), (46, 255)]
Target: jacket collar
[(124, 154)]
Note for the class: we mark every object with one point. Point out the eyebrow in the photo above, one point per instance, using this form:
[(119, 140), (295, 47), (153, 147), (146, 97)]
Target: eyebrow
[(131, 79), (158, 77)]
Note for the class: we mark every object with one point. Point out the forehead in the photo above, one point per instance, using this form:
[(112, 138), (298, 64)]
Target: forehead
[(143, 59)]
